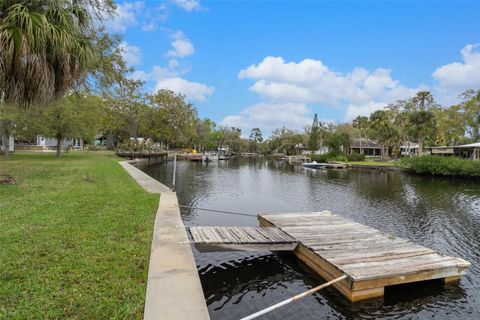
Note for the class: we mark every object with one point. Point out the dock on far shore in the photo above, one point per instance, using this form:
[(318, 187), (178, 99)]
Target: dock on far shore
[(334, 246)]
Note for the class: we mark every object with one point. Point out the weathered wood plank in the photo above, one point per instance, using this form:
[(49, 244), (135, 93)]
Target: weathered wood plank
[(241, 238), (333, 246)]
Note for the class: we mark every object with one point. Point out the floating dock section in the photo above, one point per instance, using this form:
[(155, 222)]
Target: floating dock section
[(334, 246), (241, 239)]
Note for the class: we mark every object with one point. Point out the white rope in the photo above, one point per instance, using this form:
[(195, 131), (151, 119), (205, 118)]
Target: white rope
[(295, 298)]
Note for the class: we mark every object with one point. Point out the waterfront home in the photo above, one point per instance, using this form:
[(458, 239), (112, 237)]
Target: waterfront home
[(468, 151), (368, 147), (41, 143)]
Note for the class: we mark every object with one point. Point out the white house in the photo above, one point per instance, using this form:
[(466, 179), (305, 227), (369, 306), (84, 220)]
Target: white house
[(11, 143), (41, 143)]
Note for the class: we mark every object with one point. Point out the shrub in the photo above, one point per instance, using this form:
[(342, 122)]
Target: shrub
[(328, 157), (356, 157), (320, 157), (442, 166)]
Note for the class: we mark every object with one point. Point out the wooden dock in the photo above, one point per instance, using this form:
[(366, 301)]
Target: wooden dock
[(208, 239), (334, 246), (151, 156)]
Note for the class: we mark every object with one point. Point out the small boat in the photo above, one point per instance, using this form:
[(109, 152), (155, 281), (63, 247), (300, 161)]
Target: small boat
[(223, 154), (315, 165)]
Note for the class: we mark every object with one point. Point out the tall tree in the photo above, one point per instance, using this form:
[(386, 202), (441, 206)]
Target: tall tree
[(421, 125), (74, 116), (361, 124), (255, 139), (314, 138), (423, 99), (384, 130), (471, 111)]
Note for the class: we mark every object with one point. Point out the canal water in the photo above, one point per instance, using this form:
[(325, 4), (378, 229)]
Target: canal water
[(442, 214)]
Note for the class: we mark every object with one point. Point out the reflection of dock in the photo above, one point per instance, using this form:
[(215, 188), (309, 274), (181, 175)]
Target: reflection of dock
[(334, 246)]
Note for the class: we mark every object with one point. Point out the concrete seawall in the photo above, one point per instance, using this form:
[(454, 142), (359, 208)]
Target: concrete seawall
[(174, 290)]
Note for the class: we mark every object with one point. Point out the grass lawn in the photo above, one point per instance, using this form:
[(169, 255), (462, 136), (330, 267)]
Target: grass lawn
[(75, 238), (373, 163)]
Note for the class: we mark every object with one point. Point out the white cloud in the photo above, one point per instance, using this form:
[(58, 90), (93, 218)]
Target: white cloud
[(454, 78), (188, 5), (311, 81), (192, 90), (131, 54), (269, 116), (354, 110), (125, 16), (182, 47)]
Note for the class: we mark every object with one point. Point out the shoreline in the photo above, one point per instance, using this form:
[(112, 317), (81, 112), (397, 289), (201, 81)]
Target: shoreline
[(172, 271)]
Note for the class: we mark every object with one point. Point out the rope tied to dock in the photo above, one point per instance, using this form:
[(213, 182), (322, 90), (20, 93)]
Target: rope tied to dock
[(219, 211), (292, 299)]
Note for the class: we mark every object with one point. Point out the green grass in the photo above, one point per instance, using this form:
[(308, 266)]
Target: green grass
[(373, 163), (75, 238)]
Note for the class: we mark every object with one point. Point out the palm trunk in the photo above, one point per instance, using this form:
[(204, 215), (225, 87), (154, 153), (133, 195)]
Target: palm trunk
[(420, 147), (59, 146)]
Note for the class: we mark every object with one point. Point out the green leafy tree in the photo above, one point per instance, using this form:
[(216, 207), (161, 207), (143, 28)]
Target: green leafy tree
[(174, 120), (338, 142), (471, 112), (361, 124), (255, 139), (74, 116), (421, 125), (384, 130)]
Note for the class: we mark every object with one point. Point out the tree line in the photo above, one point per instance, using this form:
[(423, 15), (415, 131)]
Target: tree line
[(419, 119)]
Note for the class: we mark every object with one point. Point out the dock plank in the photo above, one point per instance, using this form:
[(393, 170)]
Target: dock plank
[(241, 238), (333, 245)]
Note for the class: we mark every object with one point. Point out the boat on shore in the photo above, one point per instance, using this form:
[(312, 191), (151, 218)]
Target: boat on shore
[(315, 165)]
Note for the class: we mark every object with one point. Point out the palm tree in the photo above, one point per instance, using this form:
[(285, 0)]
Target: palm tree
[(421, 124), (44, 49), (360, 123), (423, 99), (420, 117)]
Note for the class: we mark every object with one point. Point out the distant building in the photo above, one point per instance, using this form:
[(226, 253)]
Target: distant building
[(40, 143), (11, 143), (442, 151), (409, 150), (468, 151), (367, 147)]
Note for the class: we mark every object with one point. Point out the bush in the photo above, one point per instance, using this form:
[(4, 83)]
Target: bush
[(356, 157), (442, 166), (321, 158)]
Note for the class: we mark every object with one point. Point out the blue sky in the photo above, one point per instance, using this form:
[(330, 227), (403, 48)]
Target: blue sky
[(273, 63)]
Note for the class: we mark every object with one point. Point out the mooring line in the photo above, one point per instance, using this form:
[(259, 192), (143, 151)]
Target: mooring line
[(219, 211), (292, 299)]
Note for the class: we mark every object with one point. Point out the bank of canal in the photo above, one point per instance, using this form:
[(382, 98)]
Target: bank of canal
[(442, 214)]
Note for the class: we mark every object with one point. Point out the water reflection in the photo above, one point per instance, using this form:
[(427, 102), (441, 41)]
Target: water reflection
[(442, 214)]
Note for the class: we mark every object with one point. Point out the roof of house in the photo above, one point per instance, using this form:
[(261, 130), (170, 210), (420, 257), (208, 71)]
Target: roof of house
[(471, 145), (365, 144)]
